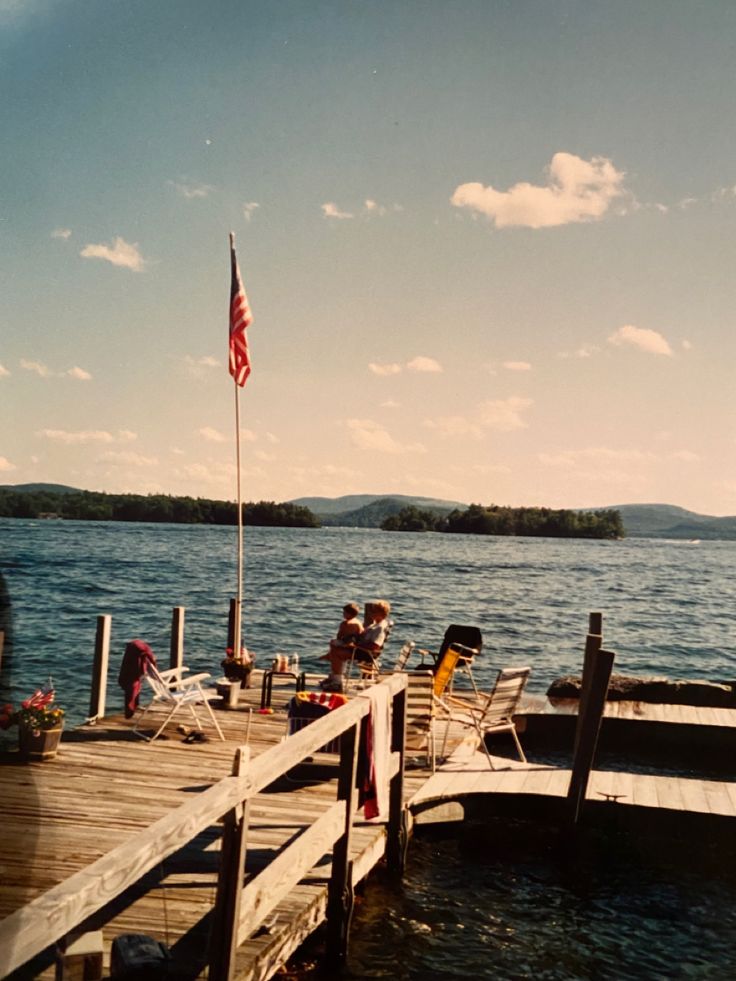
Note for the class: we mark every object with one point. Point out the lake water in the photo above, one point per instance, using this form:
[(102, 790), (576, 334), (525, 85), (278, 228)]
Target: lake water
[(484, 904), (668, 606)]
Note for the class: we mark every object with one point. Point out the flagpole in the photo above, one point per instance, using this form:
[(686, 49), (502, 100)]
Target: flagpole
[(240, 318), (237, 629)]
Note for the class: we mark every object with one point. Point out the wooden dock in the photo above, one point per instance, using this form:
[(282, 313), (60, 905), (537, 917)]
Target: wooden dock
[(120, 835)]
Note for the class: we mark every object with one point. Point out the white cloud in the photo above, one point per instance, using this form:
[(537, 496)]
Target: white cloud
[(642, 338), (189, 189), (40, 369), (687, 345), (369, 435), (63, 233), (4, 373), (69, 438), (372, 207), (504, 415), (517, 366), (272, 439), (384, 369), (686, 203), (390, 404), (120, 253), (331, 210), (494, 415), (264, 456), (6, 466), (248, 208), (213, 435), (199, 367), (177, 451), (126, 436), (422, 364), (594, 457), (127, 458), (79, 373), (577, 191), (685, 456), (599, 465)]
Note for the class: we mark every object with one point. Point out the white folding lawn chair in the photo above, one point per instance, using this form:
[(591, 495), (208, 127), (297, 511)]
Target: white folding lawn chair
[(172, 691)]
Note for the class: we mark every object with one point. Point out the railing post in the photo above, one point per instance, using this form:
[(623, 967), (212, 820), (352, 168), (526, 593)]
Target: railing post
[(397, 832), (589, 728), (176, 648), (98, 692), (224, 938), (340, 896)]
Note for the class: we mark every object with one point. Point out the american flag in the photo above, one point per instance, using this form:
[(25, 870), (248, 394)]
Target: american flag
[(240, 319)]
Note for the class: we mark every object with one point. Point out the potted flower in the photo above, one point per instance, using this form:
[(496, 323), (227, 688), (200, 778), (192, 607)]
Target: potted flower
[(40, 724), (238, 668)]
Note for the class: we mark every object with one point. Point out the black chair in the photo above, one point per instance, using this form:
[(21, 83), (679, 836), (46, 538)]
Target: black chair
[(467, 640)]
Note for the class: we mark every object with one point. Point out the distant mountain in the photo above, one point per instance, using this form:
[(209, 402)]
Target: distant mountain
[(668, 521), (350, 503), (41, 488)]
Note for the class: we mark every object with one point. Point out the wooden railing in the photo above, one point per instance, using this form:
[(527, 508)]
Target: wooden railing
[(238, 910)]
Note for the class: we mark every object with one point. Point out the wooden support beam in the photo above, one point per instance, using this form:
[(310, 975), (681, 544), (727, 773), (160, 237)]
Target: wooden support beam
[(590, 724), (397, 831), (224, 939), (340, 896), (98, 692), (593, 643), (176, 648)]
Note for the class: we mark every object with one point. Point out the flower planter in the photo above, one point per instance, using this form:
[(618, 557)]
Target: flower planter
[(39, 744), (237, 671)]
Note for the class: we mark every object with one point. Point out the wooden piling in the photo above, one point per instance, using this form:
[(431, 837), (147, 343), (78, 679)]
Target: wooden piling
[(589, 728), (340, 895), (98, 692), (176, 648), (224, 942), (397, 836), (595, 623), (231, 617), (2, 647), (593, 643)]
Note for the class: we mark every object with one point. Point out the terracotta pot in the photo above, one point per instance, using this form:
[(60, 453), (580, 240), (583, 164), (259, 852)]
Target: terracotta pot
[(39, 744)]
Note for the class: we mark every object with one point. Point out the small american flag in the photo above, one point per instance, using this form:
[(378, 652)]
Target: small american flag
[(240, 319)]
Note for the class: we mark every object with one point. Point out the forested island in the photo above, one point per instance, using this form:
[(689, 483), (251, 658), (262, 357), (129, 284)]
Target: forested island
[(58, 501), (495, 520), (97, 506)]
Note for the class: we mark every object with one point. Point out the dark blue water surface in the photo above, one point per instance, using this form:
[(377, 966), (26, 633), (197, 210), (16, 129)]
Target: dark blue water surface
[(668, 606), (495, 905)]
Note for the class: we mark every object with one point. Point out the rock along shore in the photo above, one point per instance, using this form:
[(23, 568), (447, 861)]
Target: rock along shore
[(665, 691)]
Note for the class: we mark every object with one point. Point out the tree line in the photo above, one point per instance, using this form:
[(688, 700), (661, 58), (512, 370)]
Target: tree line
[(495, 520), (98, 506)]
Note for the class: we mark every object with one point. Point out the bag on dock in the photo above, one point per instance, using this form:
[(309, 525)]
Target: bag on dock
[(305, 707), (136, 957)]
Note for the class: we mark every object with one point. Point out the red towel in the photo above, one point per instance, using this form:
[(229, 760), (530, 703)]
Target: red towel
[(136, 660)]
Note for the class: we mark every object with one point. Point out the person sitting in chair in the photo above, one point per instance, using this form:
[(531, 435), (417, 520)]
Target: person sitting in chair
[(365, 648)]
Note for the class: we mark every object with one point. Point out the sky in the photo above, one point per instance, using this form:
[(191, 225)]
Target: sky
[(489, 248)]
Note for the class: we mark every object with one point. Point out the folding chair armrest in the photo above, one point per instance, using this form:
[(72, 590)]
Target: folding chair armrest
[(172, 674), (466, 652), (422, 652), (193, 679)]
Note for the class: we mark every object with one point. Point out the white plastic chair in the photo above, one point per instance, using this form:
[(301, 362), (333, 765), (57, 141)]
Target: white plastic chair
[(172, 691)]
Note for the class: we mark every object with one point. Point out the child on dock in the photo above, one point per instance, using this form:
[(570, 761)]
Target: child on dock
[(364, 646), (350, 625)]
